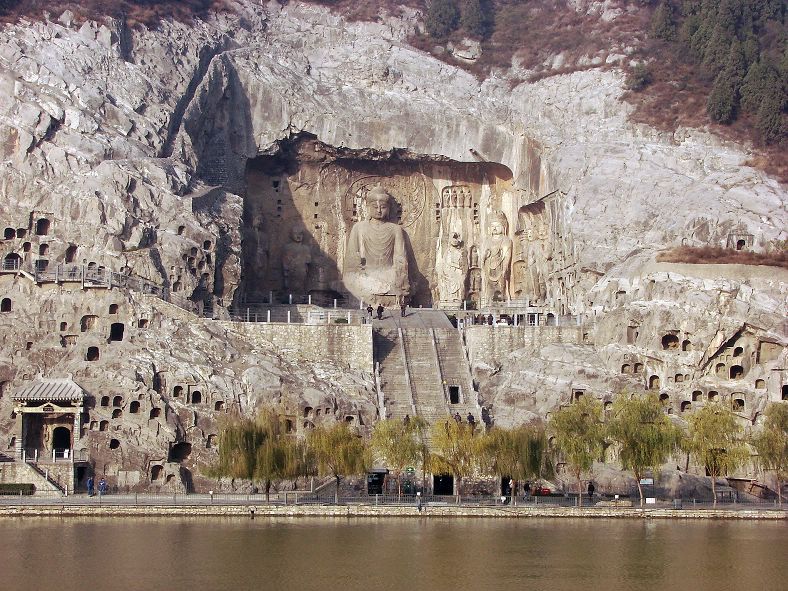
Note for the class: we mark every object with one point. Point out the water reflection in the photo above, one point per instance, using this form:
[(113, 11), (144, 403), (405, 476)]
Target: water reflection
[(456, 554)]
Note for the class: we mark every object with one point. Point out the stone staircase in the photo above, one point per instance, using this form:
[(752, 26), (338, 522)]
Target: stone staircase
[(417, 368), (422, 360), (394, 380), (456, 371)]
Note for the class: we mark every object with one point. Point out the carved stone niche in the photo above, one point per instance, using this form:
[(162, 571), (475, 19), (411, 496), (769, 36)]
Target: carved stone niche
[(529, 268), (376, 261), (452, 271), (496, 259)]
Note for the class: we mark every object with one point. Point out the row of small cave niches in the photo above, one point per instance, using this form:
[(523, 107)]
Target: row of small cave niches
[(738, 400), (39, 225)]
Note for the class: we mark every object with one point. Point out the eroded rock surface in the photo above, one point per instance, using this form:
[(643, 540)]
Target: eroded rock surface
[(142, 152)]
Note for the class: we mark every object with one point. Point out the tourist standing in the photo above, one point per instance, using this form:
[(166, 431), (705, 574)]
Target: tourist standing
[(90, 486), (380, 311), (102, 487), (369, 312), (591, 490)]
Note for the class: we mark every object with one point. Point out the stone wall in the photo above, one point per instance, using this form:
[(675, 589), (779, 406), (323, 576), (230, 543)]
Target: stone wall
[(345, 511), (342, 344), (492, 344)]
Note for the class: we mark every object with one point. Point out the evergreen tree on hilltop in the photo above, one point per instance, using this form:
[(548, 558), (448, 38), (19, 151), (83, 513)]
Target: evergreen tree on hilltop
[(770, 122), (663, 23), (762, 81), (443, 17), (477, 17), (723, 102)]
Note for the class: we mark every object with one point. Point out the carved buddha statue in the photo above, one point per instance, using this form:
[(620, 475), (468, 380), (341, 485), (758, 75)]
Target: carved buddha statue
[(497, 259), (296, 258), (453, 272), (376, 261)]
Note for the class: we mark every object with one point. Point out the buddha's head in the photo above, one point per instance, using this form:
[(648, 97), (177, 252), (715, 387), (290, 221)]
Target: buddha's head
[(499, 225), (296, 235), (378, 203)]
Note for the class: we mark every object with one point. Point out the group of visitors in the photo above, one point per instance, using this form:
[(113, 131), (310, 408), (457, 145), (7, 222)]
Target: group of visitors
[(489, 319), (102, 486), (403, 307), (471, 419)]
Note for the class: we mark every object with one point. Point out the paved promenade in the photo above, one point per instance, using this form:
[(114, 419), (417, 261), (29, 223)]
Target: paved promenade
[(251, 506)]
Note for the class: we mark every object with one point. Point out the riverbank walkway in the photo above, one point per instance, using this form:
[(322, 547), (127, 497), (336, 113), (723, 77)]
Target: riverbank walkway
[(309, 505)]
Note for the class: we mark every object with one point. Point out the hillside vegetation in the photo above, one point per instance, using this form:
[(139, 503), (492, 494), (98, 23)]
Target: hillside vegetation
[(136, 12), (721, 64)]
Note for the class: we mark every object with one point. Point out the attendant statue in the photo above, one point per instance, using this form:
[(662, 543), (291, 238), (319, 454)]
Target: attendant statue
[(296, 259), (376, 261), (453, 272), (497, 259)]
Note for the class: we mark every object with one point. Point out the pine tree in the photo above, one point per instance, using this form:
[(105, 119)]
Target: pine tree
[(722, 102), (762, 79), (475, 17), (770, 122), (443, 17), (663, 24)]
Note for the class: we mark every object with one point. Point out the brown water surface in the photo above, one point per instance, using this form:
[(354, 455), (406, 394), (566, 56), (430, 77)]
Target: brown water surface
[(434, 554)]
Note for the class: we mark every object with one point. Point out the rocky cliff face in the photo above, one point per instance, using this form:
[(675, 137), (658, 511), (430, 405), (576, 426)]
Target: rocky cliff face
[(135, 147)]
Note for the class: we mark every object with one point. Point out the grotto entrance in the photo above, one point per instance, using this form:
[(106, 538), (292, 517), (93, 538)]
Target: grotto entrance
[(323, 224), (443, 484), (48, 419), (61, 438)]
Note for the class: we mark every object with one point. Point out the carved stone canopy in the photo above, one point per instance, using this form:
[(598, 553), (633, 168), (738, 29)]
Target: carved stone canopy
[(51, 390)]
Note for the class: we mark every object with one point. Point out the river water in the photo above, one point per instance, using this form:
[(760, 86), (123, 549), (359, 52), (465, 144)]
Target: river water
[(432, 554)]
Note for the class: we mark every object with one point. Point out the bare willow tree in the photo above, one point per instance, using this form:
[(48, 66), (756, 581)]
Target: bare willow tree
[(716, 441), (579, 435), (257, 449), (644, 434), (772, 444), (519, 454), (338, 452), (397, 443), (454, 451)]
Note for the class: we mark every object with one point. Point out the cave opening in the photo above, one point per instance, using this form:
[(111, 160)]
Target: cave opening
[(307, 231)]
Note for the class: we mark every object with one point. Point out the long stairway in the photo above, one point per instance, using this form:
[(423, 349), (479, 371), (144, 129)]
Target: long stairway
[(456, 372), (426, 381), (397, 395), (423, 366)]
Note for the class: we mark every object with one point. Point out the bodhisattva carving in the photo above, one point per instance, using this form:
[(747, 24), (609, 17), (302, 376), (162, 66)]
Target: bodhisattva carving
[(453, 273), (531, 258), (296, 258), (376, 262), (497, 259)]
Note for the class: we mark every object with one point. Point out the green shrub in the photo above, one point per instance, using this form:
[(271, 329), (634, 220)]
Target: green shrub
[(13, 488), (723, 101), (443, 17), (663, 24), (477, 18), (340, 320), (639, 77)]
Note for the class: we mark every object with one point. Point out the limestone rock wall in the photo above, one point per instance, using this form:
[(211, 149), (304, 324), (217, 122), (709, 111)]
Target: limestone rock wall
[(136, 149)]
